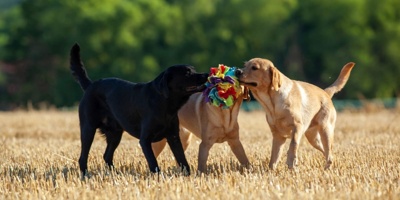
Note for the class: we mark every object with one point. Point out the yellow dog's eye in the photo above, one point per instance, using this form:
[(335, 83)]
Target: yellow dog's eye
[(254, 67)]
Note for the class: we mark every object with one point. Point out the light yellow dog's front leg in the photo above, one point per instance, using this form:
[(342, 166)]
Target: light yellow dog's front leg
[(297, 133), (277, 144)]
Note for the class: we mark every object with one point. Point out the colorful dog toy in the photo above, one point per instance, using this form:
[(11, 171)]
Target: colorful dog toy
[(222, 87)]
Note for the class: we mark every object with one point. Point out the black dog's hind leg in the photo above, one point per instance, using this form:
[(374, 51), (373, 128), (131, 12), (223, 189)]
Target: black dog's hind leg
[(87, 136), (113, 140)]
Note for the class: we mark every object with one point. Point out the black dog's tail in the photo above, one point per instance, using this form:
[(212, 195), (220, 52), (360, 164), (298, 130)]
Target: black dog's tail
[(77, 68)]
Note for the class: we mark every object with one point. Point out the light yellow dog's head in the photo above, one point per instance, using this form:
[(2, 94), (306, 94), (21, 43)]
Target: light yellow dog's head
[(259, 73)]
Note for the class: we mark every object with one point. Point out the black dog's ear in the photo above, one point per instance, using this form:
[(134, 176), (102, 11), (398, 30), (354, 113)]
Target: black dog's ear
[(161, 84)]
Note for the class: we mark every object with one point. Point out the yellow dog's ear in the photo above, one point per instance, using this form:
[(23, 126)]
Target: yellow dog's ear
[(246, 94), (276, 80)]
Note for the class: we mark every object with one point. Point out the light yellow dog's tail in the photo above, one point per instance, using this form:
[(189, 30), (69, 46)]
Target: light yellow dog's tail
[(341, 80)]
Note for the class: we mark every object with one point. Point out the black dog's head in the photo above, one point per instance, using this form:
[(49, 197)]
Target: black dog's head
[(180, 80)]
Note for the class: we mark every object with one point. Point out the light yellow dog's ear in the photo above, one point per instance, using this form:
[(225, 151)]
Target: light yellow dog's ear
[(276, 80)]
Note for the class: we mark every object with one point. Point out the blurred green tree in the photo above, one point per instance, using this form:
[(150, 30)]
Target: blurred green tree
[(330, 34), (135, 40), (383, 70)]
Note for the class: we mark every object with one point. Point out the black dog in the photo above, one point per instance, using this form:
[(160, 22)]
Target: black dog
[(147, 111)]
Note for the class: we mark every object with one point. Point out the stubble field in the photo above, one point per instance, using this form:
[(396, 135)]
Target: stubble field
[(39, 152)]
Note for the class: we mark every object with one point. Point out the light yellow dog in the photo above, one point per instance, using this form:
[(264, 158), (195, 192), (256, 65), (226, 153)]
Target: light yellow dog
[(212, 125), (294, 108)]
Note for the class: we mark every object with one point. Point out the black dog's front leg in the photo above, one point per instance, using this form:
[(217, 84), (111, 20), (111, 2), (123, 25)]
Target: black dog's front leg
[(148, 153), (175, 144)]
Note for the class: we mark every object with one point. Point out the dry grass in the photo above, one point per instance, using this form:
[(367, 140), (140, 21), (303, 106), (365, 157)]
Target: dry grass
[(39, 152)]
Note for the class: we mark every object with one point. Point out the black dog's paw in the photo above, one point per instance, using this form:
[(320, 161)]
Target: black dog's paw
[(85, 175), (182, 171), (111, 170), (185, 171), (155, 170)]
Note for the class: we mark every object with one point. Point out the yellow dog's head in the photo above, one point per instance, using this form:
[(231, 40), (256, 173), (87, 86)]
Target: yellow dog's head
[(259, 73)]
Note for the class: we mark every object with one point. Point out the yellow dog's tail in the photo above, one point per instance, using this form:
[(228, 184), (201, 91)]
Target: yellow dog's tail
[(341, 80)]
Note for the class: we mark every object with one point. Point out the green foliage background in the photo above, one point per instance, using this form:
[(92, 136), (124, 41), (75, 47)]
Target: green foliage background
[(307, 40)]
